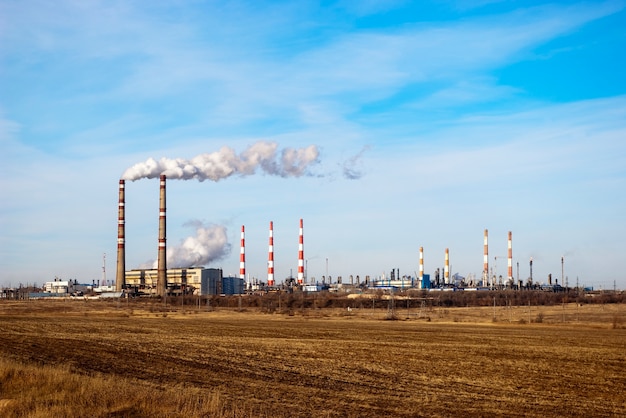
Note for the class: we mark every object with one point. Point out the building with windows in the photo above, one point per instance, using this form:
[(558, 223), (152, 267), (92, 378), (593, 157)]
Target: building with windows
[(197, 281)]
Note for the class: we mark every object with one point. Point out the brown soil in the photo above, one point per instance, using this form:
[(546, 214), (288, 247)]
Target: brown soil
[(513, 361)]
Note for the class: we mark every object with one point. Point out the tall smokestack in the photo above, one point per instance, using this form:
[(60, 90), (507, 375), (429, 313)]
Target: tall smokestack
[(162, 257), (242, 254), (562, 271), (510, 257), (301, 255), (270, 259), (120, 278), (446, 270), (486, 259), (421, 264), (104, 268)]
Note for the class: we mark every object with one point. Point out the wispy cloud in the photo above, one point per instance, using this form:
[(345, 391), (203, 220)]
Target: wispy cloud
[(351, 168), (158, 59)]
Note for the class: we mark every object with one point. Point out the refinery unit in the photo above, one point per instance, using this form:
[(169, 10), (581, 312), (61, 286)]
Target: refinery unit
[(202, 281)]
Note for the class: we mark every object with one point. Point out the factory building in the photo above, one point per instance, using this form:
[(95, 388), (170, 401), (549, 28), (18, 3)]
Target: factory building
[(394, 281), (59, 286), (233, 286), (192, 280)]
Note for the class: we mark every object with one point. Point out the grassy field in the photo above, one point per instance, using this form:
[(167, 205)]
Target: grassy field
[(76, 358)]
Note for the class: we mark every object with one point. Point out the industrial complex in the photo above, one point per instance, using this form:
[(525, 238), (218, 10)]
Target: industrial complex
[(200, 281)]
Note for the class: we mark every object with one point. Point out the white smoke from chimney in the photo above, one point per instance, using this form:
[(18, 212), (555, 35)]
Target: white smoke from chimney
[(296, 161), (225, 163), (209, 244)]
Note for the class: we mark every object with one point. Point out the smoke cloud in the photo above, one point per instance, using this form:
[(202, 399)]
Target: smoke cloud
[(209, 244), (226, 162), (350, 170)]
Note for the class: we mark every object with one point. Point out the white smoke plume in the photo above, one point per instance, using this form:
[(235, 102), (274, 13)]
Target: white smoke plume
[(209, 244), (226, 162)]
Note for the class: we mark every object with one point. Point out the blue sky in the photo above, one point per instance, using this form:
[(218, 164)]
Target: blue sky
[(451, 117)]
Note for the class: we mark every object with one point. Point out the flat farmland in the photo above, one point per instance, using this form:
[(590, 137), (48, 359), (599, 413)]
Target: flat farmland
[(140, 361)]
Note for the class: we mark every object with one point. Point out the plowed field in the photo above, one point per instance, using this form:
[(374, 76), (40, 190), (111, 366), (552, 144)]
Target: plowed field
[(302, 366)]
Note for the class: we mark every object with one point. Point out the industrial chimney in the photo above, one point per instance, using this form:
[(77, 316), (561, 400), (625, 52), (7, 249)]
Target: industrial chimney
[(510, 258), (242, 255), (162, 256), (486, 259), (421, 265), (270, 259), (120, 278), (446, 269), (301, 255)]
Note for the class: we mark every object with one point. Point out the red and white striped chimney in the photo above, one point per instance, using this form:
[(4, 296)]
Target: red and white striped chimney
[(485, 260), (446, 268), (301, 255), (242, 254), (510, 257), (421, 265), (162, 255), (270, 260), (120, 278)]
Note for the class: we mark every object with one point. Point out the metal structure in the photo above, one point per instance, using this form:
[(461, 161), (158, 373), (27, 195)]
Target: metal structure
[(104, 269), (563, 271), (495, 279)]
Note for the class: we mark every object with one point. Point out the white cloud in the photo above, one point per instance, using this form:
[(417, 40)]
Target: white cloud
[(164, 59)]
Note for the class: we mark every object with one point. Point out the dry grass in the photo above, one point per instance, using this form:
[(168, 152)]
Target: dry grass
[(76, 359), (45, 391)]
